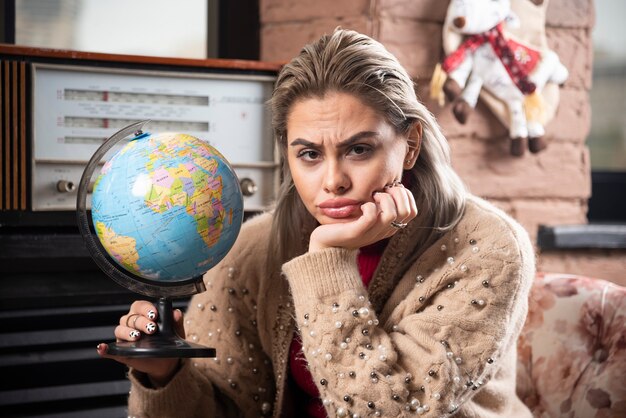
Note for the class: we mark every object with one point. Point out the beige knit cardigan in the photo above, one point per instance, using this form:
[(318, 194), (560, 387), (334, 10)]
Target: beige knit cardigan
[(435, 338)]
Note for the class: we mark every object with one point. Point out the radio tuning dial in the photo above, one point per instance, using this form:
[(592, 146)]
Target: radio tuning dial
[(65, 186), (248, 187)]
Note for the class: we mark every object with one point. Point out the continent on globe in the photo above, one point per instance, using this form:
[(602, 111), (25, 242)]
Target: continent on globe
[(122, 249), (167, 207), (199, 191)]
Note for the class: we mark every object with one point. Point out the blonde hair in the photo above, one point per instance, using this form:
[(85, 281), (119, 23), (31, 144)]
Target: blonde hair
[(349, 62)]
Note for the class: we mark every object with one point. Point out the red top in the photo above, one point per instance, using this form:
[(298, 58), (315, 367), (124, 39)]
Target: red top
[(309, 403)]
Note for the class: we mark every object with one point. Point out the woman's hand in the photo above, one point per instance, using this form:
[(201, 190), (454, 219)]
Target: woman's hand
[(141, 319), (393, 204)]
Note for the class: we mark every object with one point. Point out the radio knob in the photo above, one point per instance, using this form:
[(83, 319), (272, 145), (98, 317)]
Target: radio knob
[(65, 186), (248, 187)]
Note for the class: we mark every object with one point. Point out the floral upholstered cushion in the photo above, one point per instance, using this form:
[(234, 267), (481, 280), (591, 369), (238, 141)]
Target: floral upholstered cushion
[(572, 351)]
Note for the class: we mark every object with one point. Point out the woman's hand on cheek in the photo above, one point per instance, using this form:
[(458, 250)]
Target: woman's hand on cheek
[(394, 204)]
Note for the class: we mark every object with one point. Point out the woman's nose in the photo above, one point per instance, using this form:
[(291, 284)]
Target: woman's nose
[(336, 180)]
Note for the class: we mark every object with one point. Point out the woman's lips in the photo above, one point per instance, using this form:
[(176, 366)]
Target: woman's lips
[(339, 208)]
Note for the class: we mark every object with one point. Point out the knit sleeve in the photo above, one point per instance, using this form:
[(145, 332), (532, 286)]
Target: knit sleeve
[(449, 322), (239, 380), (187, 393)]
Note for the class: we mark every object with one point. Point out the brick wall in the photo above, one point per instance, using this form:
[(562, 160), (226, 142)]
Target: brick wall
[(549, 188)]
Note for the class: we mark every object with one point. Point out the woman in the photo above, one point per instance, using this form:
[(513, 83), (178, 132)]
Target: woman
[(376, 287)]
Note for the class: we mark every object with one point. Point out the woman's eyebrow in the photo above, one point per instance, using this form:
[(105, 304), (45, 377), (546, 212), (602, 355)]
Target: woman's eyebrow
[(356, 138), (300, 141), (345, 143)]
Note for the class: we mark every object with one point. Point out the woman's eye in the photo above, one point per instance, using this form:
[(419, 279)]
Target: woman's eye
[(360, 150), (308, 154)]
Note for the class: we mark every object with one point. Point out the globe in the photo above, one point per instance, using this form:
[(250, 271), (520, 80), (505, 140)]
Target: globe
[(167, 207)]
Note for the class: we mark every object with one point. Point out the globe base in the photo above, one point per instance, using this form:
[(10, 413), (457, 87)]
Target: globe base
[(164, 343), (157, 346)]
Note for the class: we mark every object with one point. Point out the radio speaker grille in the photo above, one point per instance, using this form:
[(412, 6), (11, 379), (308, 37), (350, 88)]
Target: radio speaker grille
[(13, 167)]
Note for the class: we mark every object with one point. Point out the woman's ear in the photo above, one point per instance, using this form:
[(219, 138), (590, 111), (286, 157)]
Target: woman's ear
[(414, 142)]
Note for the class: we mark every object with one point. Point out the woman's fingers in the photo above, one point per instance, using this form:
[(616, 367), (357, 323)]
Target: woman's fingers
[(387, 206), (394, 204), (367, 225), (412, 204), (103, 351), (406, 209), (179, 323), (143, 325), (144, 308), (140, 318), (133, 324)]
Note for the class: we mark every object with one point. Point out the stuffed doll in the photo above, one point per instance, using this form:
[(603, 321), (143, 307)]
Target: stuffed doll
[(484, 58)]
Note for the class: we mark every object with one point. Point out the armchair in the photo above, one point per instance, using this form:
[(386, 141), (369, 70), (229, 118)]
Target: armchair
[(572, 349)]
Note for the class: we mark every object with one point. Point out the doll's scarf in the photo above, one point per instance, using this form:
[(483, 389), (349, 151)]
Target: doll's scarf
[(519, 60)]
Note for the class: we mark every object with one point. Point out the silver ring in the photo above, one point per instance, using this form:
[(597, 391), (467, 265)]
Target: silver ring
[(398, 225), (134, 320)]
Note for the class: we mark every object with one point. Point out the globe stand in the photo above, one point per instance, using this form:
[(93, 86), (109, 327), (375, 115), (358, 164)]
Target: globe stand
[(164, 343)]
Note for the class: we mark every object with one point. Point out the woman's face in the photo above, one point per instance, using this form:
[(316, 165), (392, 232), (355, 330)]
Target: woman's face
[(340, 151)]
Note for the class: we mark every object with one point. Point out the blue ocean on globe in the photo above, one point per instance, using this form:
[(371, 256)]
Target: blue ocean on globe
[(167, 207)]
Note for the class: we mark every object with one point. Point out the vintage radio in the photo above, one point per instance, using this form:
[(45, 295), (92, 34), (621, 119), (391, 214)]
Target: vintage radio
[(57, 108)]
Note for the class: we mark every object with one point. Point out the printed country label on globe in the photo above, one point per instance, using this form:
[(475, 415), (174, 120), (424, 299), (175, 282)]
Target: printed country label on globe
[(167, 207)]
